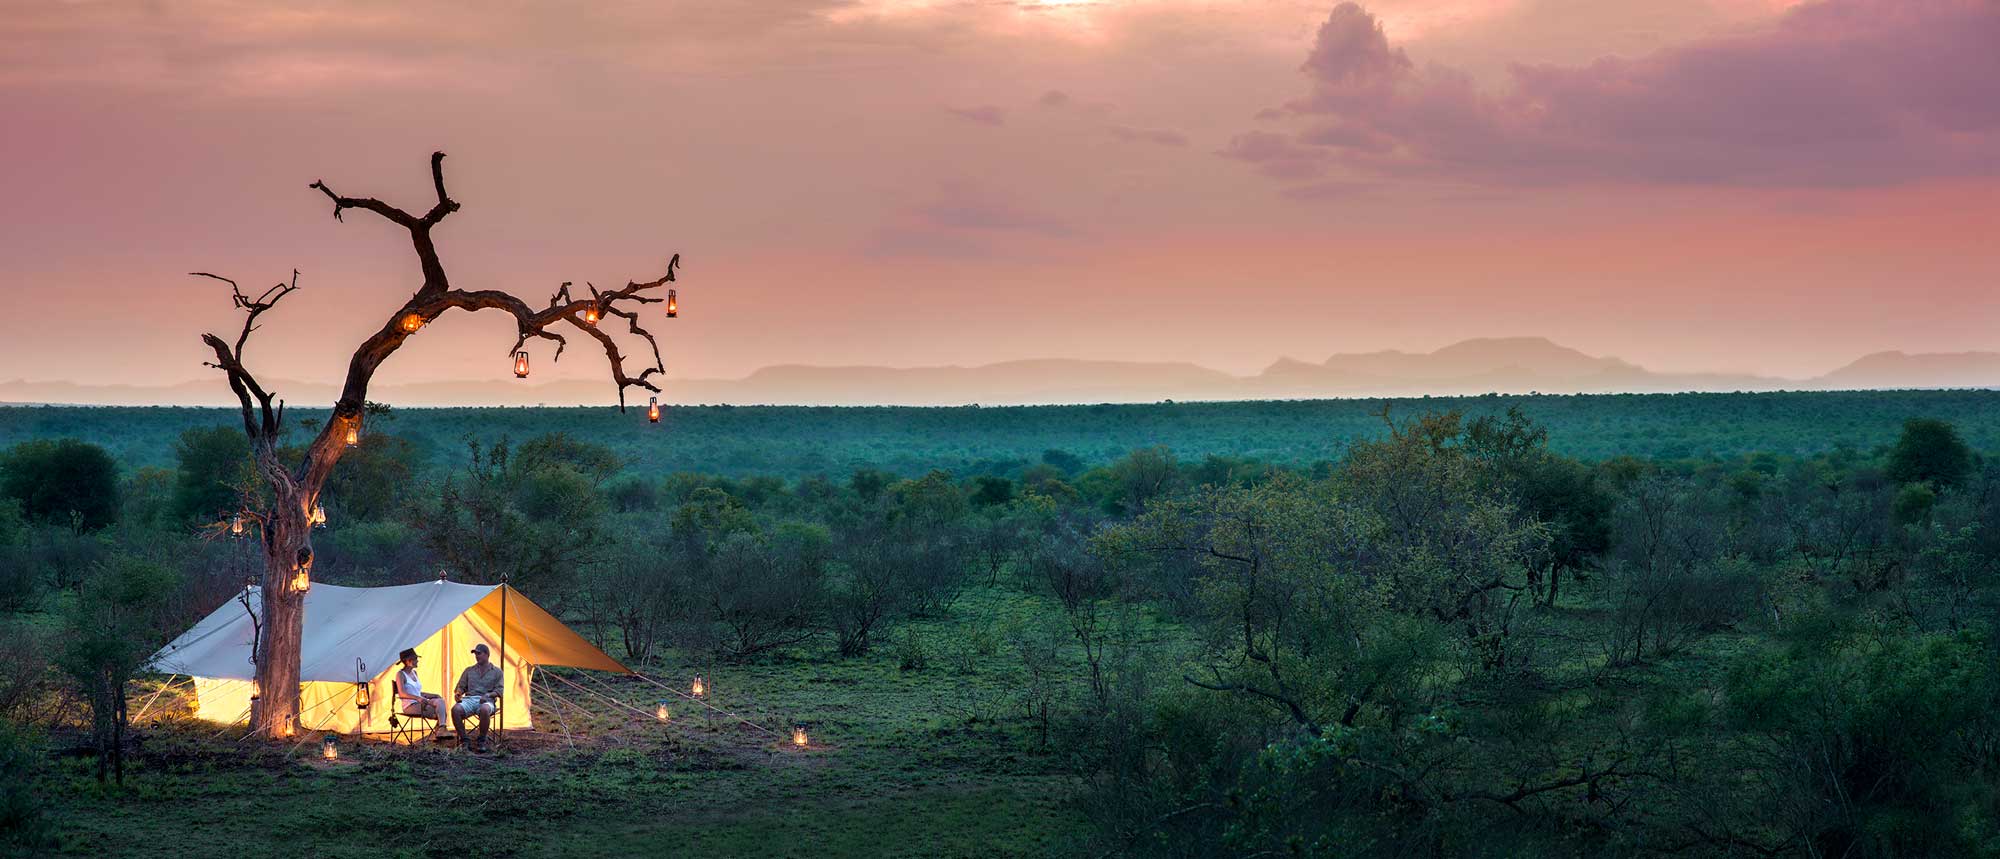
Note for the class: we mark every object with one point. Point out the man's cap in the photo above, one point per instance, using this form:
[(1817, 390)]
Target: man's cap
[(481, 648), (408, 653)]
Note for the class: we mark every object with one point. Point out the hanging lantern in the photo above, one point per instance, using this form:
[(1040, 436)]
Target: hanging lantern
[(412, 322), (520, 365), (653, 410), (590, 314), (302, 580), (329, 748), (361, 695), (354, 436), (661, 713), (673, 304), (318, 516), (799, 737), (700, 688), (236, 525)]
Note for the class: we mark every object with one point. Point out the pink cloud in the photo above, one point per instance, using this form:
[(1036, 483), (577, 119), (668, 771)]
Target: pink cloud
[(1835, 93), (984, 114)]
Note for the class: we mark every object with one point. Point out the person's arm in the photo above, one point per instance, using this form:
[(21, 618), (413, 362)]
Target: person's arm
[(458, 691)]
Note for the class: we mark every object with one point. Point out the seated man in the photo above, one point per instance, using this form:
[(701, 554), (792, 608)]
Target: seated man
[(477, 692), (411, 699)]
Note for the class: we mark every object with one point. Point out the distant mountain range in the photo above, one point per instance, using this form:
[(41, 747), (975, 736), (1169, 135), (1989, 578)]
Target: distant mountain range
[(1489, 365)]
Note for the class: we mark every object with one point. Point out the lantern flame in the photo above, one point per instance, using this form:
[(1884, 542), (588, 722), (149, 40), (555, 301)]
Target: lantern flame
[(520, 365), (799, 737), (412, 322), (318, 517), (590, 314), (354, 436), (236, 526), (673, 303), (302, 581), (653, 410)]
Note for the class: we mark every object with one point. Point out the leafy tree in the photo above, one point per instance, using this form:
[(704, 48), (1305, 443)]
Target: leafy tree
[(592, 460), (1062, 460), (375, 480), (991, 491), (493, 522), (108, 631), (213, 466), (61, 482), (22, 824), (869, 483), (1929, 451)]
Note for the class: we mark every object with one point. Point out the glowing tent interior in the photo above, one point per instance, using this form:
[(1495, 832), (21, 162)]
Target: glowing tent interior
[(352, 637)]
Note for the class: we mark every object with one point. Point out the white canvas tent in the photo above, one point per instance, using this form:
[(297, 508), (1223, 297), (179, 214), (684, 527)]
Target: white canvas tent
[(442, 620)]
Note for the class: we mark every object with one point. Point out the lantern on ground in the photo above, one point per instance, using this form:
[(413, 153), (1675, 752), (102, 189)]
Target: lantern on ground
[(236, 525), (590, 313), (653, 410), (799, 737), (520, 365), (412, 322), (660, 712), (700, 688), (673, 303), (329, 748)]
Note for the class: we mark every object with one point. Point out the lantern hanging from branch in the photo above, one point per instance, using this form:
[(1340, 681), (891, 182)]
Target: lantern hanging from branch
[(520, 365), (673, 303), (354, 436), (412, 322), (660, 712), (329, 747), (236, 525), (799, 737), (653, 410), (302, 580), (590, 313), (318, 516), (700, 688)]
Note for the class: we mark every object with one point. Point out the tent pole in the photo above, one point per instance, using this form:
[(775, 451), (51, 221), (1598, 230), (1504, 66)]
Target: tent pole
[(505, 693)]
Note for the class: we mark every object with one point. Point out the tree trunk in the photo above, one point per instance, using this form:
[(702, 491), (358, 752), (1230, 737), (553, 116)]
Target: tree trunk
[(287, 551)]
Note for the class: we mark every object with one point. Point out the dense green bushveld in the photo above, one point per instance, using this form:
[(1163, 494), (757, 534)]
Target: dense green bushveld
[(1571, 626), (791, 441)]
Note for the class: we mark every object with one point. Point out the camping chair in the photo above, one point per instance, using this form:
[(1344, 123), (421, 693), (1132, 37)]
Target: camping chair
[(404, 727)]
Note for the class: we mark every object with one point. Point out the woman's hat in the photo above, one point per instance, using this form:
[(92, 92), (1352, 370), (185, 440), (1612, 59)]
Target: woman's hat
[(408, 653)]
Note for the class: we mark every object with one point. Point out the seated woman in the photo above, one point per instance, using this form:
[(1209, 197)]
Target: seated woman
[(411, 699)]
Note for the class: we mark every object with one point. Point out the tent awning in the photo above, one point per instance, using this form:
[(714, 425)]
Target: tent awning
[(373, 625)]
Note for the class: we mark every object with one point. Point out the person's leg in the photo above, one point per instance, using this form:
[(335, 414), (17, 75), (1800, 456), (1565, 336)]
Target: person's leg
[(434, 707), (485, 715), (458, 722)]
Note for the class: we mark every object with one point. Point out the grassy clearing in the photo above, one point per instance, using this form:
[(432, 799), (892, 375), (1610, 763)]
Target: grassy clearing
[(931, 762)]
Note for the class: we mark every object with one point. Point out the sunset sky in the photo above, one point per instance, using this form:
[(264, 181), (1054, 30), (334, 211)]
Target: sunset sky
[(1748, 185)]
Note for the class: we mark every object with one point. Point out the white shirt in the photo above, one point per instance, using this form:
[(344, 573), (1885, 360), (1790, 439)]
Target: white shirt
[(408, 684)]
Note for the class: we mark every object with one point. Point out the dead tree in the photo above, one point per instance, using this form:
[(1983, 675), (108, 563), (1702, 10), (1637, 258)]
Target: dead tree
[(292, 488)]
